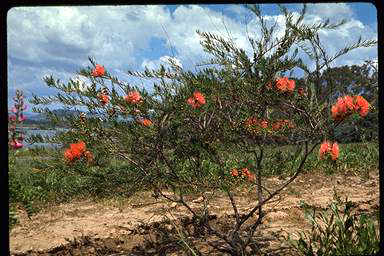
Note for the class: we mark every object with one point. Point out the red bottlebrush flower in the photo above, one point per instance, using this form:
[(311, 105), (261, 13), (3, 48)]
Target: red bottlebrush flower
[(269, 86), (335, 151), (363, 105), (191, 101), (290, 85), (284, 84), (68, 155), (325, 147), (133, 97), (251, 177), (98, 71), (246, 172), (281, 84), (81, 146), (335, 113), (234, 172), (251, 121), (276, 125), (264, 124), (145, 122), (199, 97), (104, 99), (348, 100), (16, 144), (342, 106), (197, 100), (75, 151)]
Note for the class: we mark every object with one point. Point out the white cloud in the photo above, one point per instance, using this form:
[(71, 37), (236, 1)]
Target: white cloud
[(336, 11)]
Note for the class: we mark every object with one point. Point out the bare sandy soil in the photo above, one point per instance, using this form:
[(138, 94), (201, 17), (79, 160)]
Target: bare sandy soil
[(131, 226)]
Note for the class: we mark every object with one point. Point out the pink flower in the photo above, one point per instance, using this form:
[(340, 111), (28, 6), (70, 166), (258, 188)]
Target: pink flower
[(14, 110), (133, 97), (15, 144), (12, 118)]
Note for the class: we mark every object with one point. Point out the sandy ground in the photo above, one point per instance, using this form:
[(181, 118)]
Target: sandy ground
[(58, 225)]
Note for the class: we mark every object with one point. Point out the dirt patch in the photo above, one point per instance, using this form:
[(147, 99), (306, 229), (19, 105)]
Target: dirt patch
[(144, 225)]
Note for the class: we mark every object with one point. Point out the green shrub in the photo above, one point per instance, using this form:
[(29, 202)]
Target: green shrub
[(338, 234)]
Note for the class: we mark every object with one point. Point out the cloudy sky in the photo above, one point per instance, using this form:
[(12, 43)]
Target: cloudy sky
[(58, 40)]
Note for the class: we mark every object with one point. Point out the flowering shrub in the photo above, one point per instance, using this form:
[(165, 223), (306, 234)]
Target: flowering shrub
[(17, 118), (186, 150)]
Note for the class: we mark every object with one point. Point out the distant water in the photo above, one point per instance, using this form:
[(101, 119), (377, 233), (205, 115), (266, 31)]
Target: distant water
[(50, 133)]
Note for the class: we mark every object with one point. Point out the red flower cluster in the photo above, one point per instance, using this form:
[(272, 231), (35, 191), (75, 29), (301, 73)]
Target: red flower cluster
[(145, 122), (251, 121), (283, 85), (326, 148), (245, 172), (347, 105), (104, 98), (264, 123), (197, 100), (77, 150), (281, 123), (98, 71), (133, 97)]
